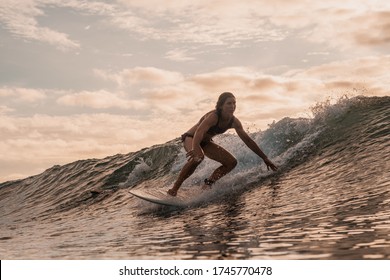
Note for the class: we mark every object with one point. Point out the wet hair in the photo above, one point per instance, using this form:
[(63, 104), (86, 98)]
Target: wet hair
[(221, 100)]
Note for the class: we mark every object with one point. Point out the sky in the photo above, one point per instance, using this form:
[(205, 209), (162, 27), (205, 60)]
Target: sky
[(90, 79)]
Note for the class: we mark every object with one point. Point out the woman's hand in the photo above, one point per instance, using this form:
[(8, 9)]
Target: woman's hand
[(270, 164), (195, 155)]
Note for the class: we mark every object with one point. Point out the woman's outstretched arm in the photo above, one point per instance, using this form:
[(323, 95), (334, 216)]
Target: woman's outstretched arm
[(252, 144)]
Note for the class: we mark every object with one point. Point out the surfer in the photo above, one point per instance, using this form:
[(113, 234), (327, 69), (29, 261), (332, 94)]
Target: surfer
[(198, 143)]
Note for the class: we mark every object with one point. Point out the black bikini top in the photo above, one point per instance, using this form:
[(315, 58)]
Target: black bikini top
[(214, 130)]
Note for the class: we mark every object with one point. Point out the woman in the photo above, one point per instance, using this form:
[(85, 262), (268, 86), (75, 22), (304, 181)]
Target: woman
[(198, 143)]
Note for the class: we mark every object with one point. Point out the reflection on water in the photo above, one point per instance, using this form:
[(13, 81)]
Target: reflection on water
[(285, 218), (274, 221)]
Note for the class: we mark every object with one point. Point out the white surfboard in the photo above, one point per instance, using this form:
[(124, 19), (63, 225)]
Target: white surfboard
[(159, 197)]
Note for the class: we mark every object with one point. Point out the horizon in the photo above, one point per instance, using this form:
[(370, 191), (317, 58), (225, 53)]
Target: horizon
[(91, 79)]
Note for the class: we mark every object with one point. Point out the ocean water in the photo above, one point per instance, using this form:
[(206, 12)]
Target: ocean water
[(330, 198)]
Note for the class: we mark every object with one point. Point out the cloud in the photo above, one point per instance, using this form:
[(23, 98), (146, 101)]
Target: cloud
[(166, 92), (356, 76), (138, 75), (232, 78), (351, 28), (21, 20), (23, 94), (5, 110), (99, 100), (32, 144), (376, 29), (69, 132), (201, 22), (371, 71), (178, 55), (345, 24), (337, 24)]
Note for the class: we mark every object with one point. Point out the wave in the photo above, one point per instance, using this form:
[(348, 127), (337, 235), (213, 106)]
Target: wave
[(350, 126)]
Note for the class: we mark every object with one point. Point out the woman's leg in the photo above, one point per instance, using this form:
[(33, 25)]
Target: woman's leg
[(217, 153), (187, 170)]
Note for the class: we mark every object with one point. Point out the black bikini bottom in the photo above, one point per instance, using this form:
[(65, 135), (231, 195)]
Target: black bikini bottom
[(202, 144)]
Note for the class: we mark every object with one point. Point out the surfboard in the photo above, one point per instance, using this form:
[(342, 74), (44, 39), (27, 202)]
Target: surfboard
[(159, 197)]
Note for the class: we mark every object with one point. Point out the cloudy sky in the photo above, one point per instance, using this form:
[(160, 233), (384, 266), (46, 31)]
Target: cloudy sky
[(88, 79)]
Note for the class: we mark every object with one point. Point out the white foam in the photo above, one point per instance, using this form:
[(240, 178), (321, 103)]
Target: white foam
[(139, 172)]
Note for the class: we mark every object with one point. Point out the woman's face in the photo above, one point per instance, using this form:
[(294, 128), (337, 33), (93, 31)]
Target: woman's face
[(229, 106)]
